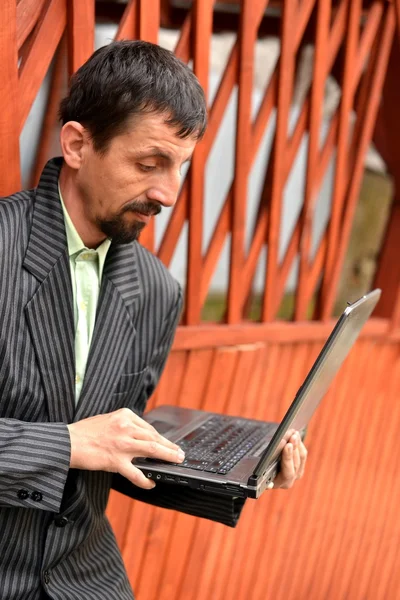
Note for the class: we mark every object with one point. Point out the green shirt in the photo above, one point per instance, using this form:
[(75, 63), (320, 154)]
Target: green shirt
[(86, 272)]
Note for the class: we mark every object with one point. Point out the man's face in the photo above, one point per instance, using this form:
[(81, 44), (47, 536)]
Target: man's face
[(138, 175)]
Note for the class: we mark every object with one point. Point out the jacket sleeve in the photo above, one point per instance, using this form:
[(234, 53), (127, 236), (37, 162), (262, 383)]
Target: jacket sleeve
[(34, 464), (215, 507)]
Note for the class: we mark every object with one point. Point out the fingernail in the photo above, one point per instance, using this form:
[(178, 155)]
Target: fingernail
[(289, 448), (181, 455), (153, 485)]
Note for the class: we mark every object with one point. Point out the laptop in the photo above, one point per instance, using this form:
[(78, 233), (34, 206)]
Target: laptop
[(237, 456)]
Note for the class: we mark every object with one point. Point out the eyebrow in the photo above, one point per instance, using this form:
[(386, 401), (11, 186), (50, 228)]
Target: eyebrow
[(158, 153)]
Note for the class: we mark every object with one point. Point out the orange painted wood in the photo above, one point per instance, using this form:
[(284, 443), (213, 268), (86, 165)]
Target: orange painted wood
[(388, 275), (285, 86), (149, 20), (338, 522), (182, 49), (51, 113), (80, 32), (174, 227), (316, 104), (202, 25), (10, 179), (397, 8), (341, 172), (212, 336), (128, 27), (39, 53), (365, 135), (28, 12), (247, 37)]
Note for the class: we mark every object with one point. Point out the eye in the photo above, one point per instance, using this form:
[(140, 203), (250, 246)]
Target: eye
[(146, 168)]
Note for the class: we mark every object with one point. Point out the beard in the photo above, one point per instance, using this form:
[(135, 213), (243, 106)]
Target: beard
[(121, 231)]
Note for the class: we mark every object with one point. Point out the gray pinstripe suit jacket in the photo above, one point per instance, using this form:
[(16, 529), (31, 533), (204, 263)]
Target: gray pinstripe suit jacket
[(54, 536)]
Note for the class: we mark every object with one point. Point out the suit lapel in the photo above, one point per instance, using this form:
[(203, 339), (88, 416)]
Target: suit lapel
[(114, 331), (50, 317), (49, 313)]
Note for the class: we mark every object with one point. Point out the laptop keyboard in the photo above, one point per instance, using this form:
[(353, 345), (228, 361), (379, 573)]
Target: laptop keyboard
[(220, 442)]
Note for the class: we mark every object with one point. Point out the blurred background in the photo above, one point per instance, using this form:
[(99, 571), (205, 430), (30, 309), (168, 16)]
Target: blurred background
[(288, 210)]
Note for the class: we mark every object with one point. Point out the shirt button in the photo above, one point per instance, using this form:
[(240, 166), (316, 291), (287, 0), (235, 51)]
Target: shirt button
[(37, 496), (77, 379), (23, 494), (46, 577), (61, 521)]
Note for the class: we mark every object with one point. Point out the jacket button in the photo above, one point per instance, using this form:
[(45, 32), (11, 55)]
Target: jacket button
[(61, 521), (37, 496), (23, 494), (46, 577)]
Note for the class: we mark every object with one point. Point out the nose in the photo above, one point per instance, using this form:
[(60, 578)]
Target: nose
[(165, 191)]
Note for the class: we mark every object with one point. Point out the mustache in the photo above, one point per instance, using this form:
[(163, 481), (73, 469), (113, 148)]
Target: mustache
[(146, 208)]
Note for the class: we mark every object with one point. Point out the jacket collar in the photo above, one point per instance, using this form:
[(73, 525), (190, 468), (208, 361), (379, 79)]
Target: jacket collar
[(48, 240)]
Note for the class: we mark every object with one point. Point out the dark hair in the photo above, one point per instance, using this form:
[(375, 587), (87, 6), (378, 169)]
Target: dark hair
[(125, 78)]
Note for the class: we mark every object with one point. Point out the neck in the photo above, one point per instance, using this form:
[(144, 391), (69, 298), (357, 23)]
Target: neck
[(77, 209)]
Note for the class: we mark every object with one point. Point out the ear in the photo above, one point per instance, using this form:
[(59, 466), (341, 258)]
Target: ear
[(73, 139)]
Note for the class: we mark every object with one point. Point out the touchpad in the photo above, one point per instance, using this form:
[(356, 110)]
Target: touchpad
[(162, 426)]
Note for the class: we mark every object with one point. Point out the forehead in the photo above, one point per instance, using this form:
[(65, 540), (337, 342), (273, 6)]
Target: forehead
[(148, 132)]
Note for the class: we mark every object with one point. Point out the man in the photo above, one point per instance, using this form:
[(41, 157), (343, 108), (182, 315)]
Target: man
[(87, 320)]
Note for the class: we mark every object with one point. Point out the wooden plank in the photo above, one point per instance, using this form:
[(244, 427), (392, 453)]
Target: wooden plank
[(397, 8), (128, 26), (338, 194), (28, 12), (316, 103), (182, 49), (10, 177), (247, 37), (50, 116), (214, 396), (155, 524), (343, 572), (171, 380), (212, 336), (330, 437), (342, 496), (80, 32), (203, 13), (215, 246), (174, 227), (365, 137), (285, 86), (149, 20), (39, 53)]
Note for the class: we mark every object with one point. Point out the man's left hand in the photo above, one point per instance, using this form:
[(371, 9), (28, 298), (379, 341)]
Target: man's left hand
[(293, 462)]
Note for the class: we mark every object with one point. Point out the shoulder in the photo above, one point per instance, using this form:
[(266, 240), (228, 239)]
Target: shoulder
[(15, 212), (155, 277), (16, 207)]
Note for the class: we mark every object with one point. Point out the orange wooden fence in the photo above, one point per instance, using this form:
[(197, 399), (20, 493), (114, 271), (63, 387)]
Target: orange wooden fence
[(336, 534)]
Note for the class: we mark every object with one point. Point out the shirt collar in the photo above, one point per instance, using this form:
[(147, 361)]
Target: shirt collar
[(75, 243)]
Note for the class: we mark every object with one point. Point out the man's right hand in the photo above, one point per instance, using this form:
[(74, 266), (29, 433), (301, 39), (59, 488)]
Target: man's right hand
[(109, 443)]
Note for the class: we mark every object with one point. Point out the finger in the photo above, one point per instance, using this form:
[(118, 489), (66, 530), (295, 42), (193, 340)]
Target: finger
[(296, 454), (140, 433), (303, 459), (153, 449), (287, 475), (136, 476)]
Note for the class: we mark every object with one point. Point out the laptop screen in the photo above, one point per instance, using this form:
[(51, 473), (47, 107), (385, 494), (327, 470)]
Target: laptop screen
[(321, 375)]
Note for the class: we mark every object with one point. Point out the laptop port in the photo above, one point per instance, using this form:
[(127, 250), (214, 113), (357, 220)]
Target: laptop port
[(158, 476), (169, 478), (182, 480)]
